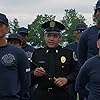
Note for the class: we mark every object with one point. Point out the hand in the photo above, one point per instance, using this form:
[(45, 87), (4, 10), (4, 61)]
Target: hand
[(39, 71), (61, 81)]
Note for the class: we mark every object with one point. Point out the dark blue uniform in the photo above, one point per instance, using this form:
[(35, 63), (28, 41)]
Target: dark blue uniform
[(51, 59), (87, 44), (29, 51), (14, 74), (87, 48), (90, 73)]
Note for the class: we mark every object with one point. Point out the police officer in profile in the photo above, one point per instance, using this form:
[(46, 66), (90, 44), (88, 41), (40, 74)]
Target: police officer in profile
[(14, 69), (87, 45), (90, 74), (54, 67), (79, 28), (15, 39), (27, 48)]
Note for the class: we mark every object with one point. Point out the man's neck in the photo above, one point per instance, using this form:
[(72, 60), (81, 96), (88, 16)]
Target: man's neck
[(24, 44), (98, 24), (3, 42), (77, 41)]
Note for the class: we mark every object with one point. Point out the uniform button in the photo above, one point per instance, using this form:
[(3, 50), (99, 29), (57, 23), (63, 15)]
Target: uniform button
[(62, 66), (49, 78)]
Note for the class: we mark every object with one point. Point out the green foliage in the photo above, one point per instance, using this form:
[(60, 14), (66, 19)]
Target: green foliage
[(35, 31), (14, 25), (70, 19)]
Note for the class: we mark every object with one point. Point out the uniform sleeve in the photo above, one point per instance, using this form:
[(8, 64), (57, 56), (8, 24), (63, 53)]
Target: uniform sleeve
[(24, 75), (82, 80), (73, 69), (82, 49)]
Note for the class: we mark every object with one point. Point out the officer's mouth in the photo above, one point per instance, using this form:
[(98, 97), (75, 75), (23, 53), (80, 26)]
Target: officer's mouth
[(51, 43)]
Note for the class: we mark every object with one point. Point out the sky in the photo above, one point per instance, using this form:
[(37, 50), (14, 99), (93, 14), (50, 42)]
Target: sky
[(27, 10)]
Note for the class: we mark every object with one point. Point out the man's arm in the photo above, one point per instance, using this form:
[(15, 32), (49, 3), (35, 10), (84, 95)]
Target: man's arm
[(24, 75), (82, 80), (82, 49)]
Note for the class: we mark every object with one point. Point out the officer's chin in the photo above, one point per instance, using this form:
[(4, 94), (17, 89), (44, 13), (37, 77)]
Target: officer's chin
[(51, 46)]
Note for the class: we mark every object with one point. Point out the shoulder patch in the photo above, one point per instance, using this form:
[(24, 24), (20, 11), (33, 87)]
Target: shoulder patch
[(75, 57), (8, 60)]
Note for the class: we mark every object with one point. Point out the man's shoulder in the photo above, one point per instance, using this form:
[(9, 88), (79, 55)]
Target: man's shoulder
[(64, 49), (72, 44), (92, 59), (91, 29), (39, 49), (12, 49), (30, 46)]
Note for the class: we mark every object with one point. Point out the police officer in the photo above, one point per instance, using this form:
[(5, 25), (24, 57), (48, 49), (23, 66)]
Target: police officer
[(90, 74), (79, 28), (53, 66), (15, 39), (27, 48), (14, 69), (87, 44)]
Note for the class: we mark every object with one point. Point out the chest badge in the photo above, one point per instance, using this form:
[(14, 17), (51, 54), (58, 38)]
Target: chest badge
[(63, 59)]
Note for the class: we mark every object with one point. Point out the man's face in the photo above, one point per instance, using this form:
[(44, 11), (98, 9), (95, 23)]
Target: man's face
[(52, 40), (24, 37), (15, 42), (3, 30), (97, 15), (78, 33)]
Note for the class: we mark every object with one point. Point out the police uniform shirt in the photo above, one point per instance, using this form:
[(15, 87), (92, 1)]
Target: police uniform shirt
[(14, 73), (87, 45), (59, 59), (28, 50), (90, 73)]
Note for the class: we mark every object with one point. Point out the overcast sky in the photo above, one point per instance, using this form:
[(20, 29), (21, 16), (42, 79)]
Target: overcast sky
[(26, 10)]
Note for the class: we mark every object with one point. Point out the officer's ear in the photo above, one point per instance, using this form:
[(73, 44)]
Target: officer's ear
[(7, 29), (98, 43)]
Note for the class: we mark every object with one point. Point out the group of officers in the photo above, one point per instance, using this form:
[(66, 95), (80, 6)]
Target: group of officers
[(49, 73)]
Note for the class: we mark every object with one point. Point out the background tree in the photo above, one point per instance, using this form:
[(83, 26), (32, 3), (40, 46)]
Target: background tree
[(70, 19), (35, 31), (14, 25)]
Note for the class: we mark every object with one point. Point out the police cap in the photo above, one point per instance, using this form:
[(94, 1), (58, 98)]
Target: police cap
[(80, 26), (54, 27), (3, 19), (22, 30), (15, 36)]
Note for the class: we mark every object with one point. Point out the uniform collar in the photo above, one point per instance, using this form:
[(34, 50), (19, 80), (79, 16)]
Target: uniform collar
[(56, 50)]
